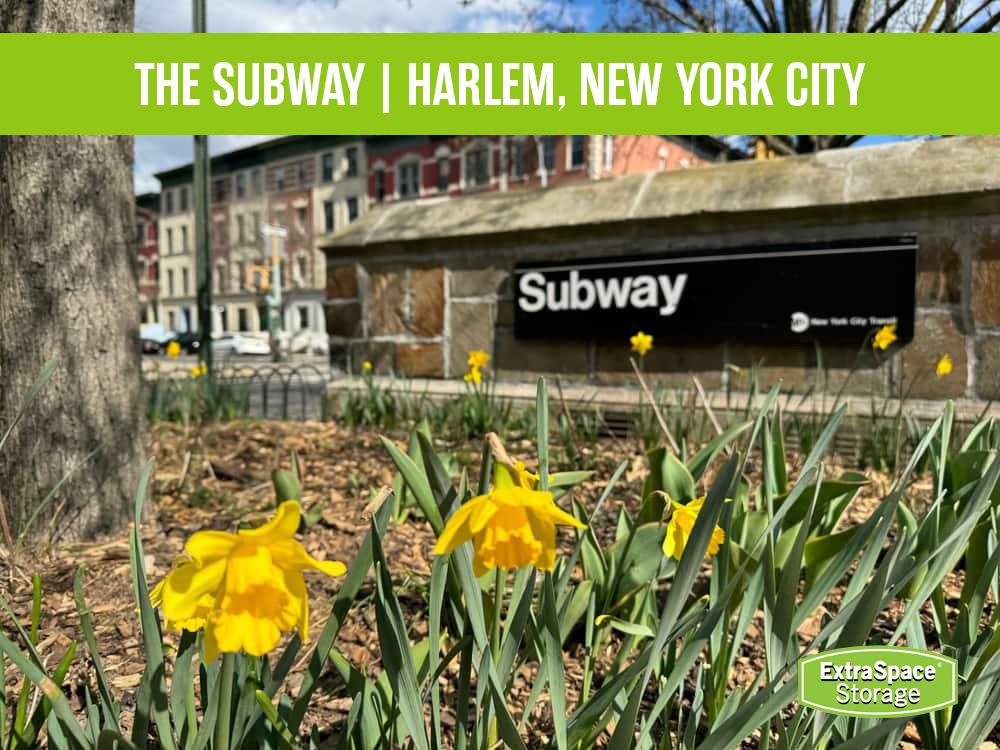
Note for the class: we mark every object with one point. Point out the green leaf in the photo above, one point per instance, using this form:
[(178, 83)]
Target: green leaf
[(286, 486), (701, 460), (623, 626), (418, 484), (552, 661)]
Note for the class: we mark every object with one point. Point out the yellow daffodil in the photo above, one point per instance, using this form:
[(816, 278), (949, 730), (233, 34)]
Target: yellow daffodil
[(366, 366), (943, 366), (884, 338), (641, 343), (245, 589), (510, 527), (680, 526), (173, 349), (473, 376), (478, 359), (197, 372)]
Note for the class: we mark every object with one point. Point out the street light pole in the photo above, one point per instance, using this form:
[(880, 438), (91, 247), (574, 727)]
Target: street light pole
[(202, 236)]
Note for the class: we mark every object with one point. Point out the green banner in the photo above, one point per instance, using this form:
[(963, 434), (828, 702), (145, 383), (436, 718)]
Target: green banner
[(878, 681), (498, 83)]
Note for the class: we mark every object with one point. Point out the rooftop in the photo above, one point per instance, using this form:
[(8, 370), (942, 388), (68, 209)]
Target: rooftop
[(911, 169)]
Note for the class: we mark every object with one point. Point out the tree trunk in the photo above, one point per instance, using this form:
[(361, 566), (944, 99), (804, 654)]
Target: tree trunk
[(68, 290)]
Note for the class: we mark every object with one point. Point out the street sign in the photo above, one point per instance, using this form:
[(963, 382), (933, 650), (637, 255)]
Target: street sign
[(790, 292)]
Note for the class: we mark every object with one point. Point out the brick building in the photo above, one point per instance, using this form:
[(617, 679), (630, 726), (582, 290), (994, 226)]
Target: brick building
[(426, 166), (147, 208), (310, 185)]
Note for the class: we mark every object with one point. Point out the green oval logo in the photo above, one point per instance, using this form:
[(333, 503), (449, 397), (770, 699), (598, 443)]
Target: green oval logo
[(878, 681)]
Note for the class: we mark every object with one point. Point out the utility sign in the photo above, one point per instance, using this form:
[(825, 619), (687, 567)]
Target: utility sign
[(796, 293)]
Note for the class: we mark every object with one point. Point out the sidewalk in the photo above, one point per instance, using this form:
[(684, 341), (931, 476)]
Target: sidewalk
[(627, 399)]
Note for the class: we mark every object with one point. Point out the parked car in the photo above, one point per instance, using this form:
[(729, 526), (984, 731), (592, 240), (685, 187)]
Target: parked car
[(189, 342), (154, 338), (236, 343), (151, 345)]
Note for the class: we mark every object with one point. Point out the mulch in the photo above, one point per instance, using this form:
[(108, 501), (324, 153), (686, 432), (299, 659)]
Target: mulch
[(220, 477)]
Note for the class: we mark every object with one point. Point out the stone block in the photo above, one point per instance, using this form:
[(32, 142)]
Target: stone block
[(471, 328), (342, 282), (530, 357), (344, 321), (935, 334), (666, 364), (988, 367), (939, 272), (427, 288), (505, 313), (382, 355), (986, 280), (386, 303), (421, 360), (484, 282), (801, 369)]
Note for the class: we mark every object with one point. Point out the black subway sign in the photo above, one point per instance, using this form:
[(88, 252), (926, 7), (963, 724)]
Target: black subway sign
[(797, 293)]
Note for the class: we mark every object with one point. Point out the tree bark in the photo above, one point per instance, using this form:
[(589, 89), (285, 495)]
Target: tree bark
[(68, 290)]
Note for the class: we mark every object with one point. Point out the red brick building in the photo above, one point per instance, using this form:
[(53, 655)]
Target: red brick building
[(147, 255), (408, 167)]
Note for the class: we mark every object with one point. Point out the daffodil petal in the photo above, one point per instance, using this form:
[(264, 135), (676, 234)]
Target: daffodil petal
[(283, 526), (457, 530), (185, 585), (205, 546)]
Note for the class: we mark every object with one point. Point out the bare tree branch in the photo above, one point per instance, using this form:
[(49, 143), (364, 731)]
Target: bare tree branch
[(989, 25), (892, 10)]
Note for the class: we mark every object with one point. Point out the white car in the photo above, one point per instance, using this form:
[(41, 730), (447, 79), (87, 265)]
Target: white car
[(236, 343)]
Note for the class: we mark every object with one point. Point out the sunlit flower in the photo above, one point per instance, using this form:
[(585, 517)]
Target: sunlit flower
[(473, 376), (478, 359), (641, 343), (510, 527), (884, 338), (173, 349), (245, 589), (197, 372), (682, 519), (366, 366), (943, 366)]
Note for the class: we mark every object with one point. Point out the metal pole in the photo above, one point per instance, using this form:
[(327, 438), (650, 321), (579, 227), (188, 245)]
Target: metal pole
[(202, 218)]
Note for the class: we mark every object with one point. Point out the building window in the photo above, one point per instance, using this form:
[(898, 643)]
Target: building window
[(184, 199), (168, 202), (444, 174), (517, 160), (303, 317), (303, 269), (328, 216), (241, 185), (477, 166), (170, 288), (241, 231), (256, 225), (255, 181), (352, 161), (352, 208), (243, 319), (279, 179), (609, 151), (577, 155), (328, 167), (302, 173), (184, 239), (379, 185), (241, 275), (184, 283), (172, 318), (219, 286), (170, 242), (219, 189), (409, 179), (139, 233), (300, 215), (549, 152)]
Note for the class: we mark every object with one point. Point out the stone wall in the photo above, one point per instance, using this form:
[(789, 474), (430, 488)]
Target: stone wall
[(415, 287)]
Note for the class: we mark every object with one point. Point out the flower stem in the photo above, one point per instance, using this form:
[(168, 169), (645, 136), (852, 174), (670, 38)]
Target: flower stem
[(225, 697), (498, 592)]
